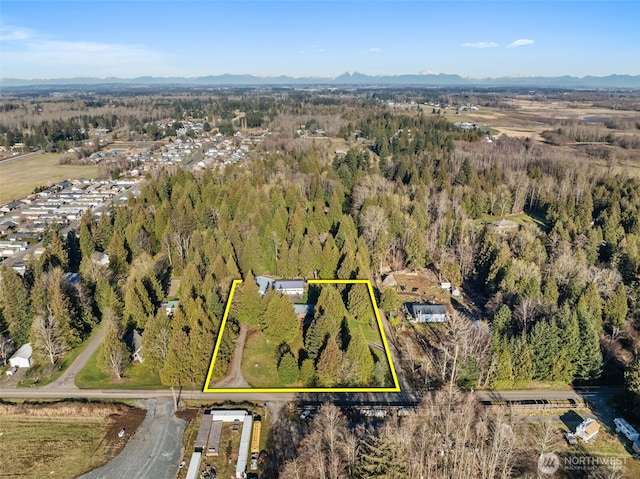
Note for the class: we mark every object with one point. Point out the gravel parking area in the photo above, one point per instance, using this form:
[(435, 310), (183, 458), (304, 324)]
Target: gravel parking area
[(155, 449)]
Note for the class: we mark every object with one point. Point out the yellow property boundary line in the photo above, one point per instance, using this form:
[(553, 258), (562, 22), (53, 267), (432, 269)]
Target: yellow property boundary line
[(395, 388)]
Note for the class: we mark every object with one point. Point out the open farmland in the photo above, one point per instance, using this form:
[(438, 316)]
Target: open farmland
[(62, 440), (19, 177)]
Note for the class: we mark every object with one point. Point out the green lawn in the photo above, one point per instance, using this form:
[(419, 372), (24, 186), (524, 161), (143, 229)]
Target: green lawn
[(259, 361), (138, 376), (43, 374), (20, 177), (520, 218), (370, 334)]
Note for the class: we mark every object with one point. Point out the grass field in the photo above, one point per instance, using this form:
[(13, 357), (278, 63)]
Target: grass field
[(137, 376), (259, 361), (61, 441), (520, 218), (19, 178)]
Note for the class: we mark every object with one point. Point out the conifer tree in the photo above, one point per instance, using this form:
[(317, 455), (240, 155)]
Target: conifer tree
[(288, 372), (137, 303), (279, 322), (329, 364), (360, 358), (249, 308), (113, 356), (15, 305), (359, 303), (390, 301), (329, 259), (308, 373), (615, 310), (521, 359), (156, 339), (544, 343)]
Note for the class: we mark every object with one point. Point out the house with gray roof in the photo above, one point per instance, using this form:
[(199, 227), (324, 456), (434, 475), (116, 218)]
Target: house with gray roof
[(426, 313)]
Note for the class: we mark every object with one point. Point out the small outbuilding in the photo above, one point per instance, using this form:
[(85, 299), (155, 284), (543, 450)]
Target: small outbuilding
[(587, 429), (22, 357), (264, 283), (133, 341)]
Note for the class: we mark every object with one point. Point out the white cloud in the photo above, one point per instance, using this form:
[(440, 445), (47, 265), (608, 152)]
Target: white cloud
[(11, 33), (374, 50), (29, 54), (480, 44), (521, 42)]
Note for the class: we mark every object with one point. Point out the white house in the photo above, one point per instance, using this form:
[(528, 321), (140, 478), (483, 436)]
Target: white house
[(290, 287), (427, 313), (22, 357), (587, 429)]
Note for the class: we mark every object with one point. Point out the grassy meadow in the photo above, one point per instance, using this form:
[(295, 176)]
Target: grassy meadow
[(19, 178)]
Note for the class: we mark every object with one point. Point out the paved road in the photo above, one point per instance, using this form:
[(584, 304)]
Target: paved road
[(578, 394), (11, 159), (154, 451), (68, 378)]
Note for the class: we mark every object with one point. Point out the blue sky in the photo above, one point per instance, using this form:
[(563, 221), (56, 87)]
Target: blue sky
[(50, 39)]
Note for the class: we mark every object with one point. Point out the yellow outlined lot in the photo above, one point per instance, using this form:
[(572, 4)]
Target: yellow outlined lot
[(394, 388)]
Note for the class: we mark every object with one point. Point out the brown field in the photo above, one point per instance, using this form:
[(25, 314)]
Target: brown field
[(19, 178), (62, 440)]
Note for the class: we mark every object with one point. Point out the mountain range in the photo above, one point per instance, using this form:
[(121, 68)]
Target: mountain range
[(349, 79)]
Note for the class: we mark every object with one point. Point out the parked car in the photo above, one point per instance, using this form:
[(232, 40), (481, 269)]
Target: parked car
[(12, 371), (262, 456), (254, 461), (305, 414)]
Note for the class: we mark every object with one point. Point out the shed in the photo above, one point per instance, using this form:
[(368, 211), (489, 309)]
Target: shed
[(170, 306), (134, 343), (587, 429), (22, 357), (264, 284)]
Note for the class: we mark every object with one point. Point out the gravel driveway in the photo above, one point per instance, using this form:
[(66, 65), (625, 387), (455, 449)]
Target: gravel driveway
[(155, 450)]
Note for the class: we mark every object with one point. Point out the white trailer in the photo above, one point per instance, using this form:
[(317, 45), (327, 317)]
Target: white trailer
[(627, 429)]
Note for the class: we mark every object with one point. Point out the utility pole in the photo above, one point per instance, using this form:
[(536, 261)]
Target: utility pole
[(175, 403)]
